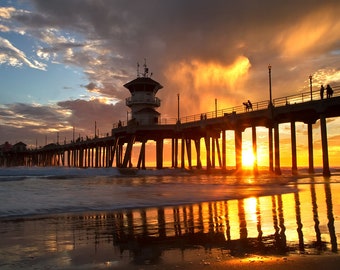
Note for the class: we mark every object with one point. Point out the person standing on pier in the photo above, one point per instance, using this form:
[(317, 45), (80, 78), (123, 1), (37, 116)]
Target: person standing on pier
[(322, 90), (329, 91), (250, 105)]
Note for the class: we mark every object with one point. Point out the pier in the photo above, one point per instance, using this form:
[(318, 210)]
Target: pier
[(190, 136)]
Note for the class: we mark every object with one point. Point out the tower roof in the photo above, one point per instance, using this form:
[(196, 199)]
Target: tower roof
[(144, 84)]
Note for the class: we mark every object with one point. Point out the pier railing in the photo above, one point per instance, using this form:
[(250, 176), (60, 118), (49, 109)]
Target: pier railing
[(304, 97), (261, 105), (277, 102)]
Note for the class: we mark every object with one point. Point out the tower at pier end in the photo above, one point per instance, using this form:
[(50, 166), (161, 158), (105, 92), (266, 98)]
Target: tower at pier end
[(143, 101)]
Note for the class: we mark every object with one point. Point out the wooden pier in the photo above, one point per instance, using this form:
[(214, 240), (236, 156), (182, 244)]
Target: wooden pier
[(192, 134)]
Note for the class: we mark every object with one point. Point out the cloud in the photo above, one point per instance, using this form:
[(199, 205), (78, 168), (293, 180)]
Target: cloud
[(191, 79), (6, 12), (21, 114), (314, 31), (85, 113), (28, 122), (34, 120), (114, 37), (12, 56), (91, 86)]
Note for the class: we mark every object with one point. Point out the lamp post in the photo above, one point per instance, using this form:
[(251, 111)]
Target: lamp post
[(270, 84), (177, 108), (311, 87), (215, 107)]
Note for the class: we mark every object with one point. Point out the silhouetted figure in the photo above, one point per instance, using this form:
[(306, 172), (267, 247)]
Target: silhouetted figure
[(250, 105), (329, 91), (246, 106), (322, 90)]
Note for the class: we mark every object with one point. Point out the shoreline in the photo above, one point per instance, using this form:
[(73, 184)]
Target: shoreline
[(151, 171)]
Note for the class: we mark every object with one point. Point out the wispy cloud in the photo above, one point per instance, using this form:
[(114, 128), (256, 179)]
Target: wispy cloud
[(12, 56)]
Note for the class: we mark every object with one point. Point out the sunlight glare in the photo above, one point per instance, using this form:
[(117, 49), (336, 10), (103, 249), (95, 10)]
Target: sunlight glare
[(248, 158), (250, 208)]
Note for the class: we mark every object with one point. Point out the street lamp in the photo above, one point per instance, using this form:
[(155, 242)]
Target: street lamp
[(215, 107), (270, 84), (178, 121), (311, 87)]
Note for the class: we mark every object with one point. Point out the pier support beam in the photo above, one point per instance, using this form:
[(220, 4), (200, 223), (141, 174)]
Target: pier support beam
[(218, 153), (188, 146), (69, 158), (141, 158), (198, 153), (326, 171), (182, 153), (310, 148), (270, 146), (224, 162), (113, 151), (293, 145), (175, 152), (238, 149), (159, 153), (128, 152), (213, 154), (119, 155), (92, 157), (277, 149), (207, 146), (253, 132)]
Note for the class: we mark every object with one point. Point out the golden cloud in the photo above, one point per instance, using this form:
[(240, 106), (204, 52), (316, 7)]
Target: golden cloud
[(197, 80), (313, 31), (201, 74)]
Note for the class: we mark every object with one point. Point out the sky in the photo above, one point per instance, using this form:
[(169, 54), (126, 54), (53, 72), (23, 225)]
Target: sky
[(63, 63)]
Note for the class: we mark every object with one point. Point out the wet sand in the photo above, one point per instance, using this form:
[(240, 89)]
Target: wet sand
[(35, 248)]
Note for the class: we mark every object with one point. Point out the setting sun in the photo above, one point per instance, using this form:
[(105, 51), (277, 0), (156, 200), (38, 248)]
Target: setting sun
[(248, 158)]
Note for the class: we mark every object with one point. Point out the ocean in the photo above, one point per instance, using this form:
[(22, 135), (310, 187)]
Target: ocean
[(70, 218)]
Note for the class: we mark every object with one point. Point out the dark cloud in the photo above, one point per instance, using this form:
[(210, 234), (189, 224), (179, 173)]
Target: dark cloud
[(28, 123), (169, 32), (91, 86), (86, 113), (30, 112)]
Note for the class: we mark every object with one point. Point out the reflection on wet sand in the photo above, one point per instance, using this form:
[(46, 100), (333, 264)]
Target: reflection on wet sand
[(318, 242), (330, 217), (270, 225)]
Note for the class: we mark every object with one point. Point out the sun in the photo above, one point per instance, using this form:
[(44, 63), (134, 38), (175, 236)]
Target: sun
[(248, 158)]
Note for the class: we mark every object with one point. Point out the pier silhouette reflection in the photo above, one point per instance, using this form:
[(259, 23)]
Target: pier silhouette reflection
[(302, 221), (238, 227)]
